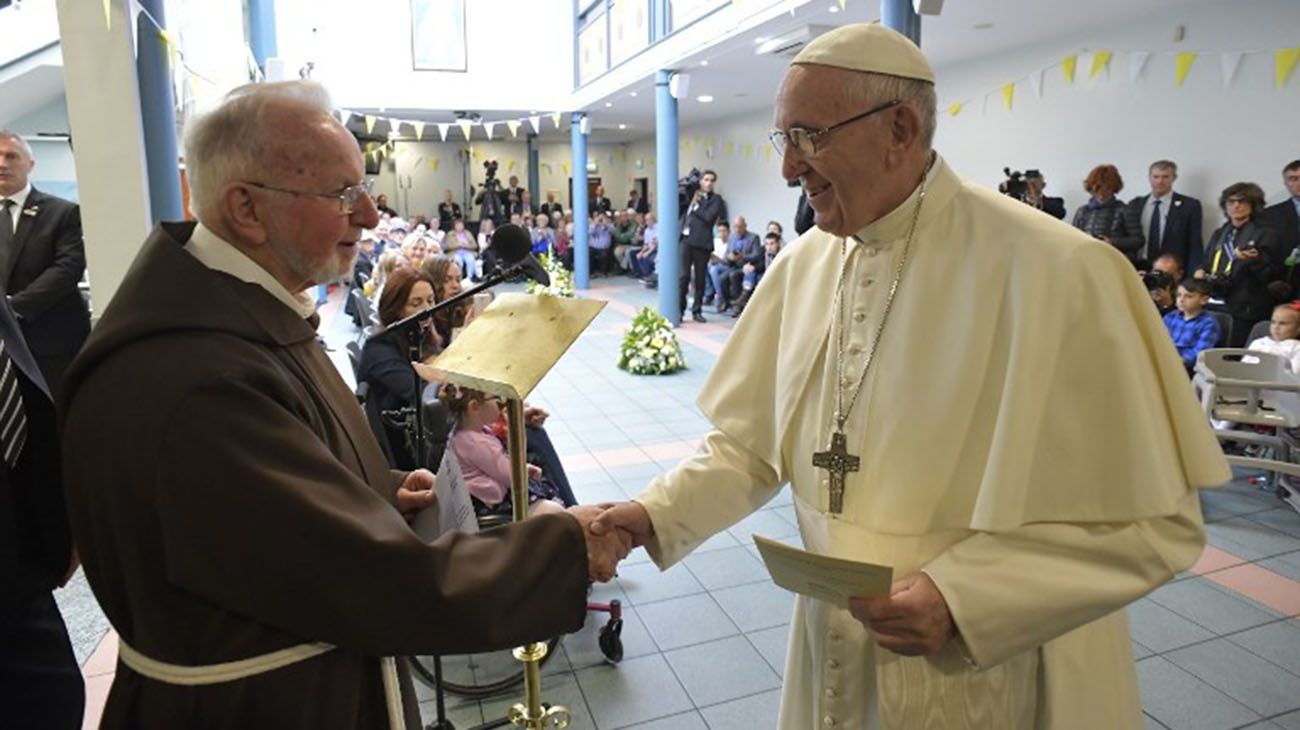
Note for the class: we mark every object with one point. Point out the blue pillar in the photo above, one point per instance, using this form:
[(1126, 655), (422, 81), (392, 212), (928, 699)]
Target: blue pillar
[(157, 117), (261, 31), (667, 263), (581, 254), (534, 177), (900, 15)]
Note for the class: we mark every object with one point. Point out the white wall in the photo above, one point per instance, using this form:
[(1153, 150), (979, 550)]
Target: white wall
[(55, 170), (1217, 136), (520, 54)]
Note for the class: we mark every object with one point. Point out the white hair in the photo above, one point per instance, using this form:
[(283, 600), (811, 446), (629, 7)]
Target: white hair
[(232, 141), (880, 88), (18, 140)]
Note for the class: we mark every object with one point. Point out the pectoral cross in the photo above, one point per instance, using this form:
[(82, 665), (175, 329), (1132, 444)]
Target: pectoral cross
[(837, 461)]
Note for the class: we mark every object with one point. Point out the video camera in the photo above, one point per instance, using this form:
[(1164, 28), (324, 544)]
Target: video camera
[(1014, 186), (490, 167), (1156, 279), (687, 186)]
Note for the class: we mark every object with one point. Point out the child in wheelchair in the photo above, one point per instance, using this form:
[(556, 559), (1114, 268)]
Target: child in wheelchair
[(484, 463)]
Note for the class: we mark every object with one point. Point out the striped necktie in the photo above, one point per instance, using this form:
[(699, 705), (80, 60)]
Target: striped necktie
[(13, 420)]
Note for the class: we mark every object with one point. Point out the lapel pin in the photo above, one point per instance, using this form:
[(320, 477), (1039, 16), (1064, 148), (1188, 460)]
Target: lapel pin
[(31, 211)]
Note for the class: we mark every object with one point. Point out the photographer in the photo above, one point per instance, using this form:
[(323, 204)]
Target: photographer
[(706, 208), (1027, 187), (489, 200), (1243, 259)]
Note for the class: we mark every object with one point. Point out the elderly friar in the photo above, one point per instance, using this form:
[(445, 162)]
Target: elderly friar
[(939, 400), (237, 520)]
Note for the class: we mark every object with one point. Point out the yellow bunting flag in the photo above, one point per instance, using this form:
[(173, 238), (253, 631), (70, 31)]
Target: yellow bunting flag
[(565, 166), (419, 129), (1068, 65), (1182, 65), (1284, 61), (731, 147), (843, 3), (1100, 61), (955, 109), (767, 153), (1008, 93), (555, 119), (510, 166), (465, 126), (546, 167), (108, 14), (513, 126), (434, 164), (370, 123), (622, 153), (173, 48), (749, 150)]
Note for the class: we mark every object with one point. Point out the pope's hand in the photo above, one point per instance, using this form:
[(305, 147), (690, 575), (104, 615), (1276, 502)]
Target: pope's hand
[(603, 550), (913, 620), (415, 493)]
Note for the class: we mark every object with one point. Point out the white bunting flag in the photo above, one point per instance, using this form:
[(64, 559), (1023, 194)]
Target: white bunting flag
[(442, 131), (419, 129), (1036, 82), (535, 122), (489, 127), (1137, 61), (1229, 61), (513, 126), (465, 126)]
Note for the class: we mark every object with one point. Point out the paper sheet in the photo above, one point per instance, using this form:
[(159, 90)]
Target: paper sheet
[(453, 511), (822, 577)]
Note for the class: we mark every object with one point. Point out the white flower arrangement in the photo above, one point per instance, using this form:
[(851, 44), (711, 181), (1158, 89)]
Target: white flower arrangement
[(561, 278), (650, 346)]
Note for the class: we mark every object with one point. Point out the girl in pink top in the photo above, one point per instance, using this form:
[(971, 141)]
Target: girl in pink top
[(484, 463)]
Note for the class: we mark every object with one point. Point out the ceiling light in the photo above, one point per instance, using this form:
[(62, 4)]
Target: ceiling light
[(704, 99), (705, 62), (608, 104), (834, 8), (760, 40), (622, 126), (631, 93)]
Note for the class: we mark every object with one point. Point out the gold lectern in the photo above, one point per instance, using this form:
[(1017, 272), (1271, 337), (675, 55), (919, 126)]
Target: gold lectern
[(505, 352)]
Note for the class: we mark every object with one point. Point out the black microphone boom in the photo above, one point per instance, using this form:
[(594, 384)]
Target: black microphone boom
[(513, 247)]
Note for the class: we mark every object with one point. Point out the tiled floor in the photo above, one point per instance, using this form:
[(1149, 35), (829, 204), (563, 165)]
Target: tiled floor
[(705, 642)]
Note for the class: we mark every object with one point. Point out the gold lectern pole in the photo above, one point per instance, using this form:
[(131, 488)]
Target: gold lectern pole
[(487, 356)]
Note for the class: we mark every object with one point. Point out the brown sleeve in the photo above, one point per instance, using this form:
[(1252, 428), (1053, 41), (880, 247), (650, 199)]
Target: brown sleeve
[(259, 517)]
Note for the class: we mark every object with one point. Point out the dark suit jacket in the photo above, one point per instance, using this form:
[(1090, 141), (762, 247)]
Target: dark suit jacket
[(639, 204), (1285, 223), (700, 219), (45, 266), (35, 540), (1181, 235)]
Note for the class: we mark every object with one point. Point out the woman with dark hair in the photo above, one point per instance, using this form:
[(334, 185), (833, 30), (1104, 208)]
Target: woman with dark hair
[(445, 275), (1243, 258), (387, 365), (1103, 213)]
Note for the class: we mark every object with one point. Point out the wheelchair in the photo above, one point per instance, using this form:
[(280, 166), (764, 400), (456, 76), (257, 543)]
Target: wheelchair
[(488, 674), (1253, 402)]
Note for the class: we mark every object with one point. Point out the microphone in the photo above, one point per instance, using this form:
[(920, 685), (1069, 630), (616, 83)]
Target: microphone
[(513, 246)]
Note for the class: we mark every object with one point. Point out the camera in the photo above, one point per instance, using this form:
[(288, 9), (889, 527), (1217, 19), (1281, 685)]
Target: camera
[(1014, 186), (1157, 280), (490, 168), (687, 186)]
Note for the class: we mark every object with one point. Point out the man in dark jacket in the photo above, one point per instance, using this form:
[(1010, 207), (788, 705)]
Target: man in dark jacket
[(42, 259), (1284, 219), (705, 210), (1163, 221), (228, 497), (40, 682)]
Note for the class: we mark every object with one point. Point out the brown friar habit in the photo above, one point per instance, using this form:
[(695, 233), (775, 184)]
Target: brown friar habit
[(228, 501)]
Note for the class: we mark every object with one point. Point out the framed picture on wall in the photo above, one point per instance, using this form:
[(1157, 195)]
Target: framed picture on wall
[(438, 40)]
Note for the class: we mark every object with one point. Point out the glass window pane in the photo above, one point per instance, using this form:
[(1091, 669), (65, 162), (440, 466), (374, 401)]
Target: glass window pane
[(629, 28), (592, 58)]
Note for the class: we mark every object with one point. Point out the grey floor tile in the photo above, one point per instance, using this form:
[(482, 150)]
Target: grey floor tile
[(763, 522), (1250, 540), (719, 541), (634, 692), (686, 721), (1217, 610), (1277, 642), (1150, 723), (723, 670), (1261, 725), (773, 644), (596, 493), (1180, 701), (756, 712), (1289, 721), (1160, 629), (684, 621), (636, 557), (782, 498), (1283, 519), (1232, 503), (644, 583), (725, 568), (1248, 679), (560, 690), (1287, 565), (757, 605), (1140, 651), (583, 648), (462, 716)]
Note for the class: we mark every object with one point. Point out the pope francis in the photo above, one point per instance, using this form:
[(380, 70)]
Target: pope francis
[(961, 387)]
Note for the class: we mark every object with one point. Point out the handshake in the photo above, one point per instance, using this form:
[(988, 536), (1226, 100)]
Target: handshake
[(612, 531)]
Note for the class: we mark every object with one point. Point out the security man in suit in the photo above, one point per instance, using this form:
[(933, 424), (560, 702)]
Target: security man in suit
[(1163, 222), (40, 682), (1284, 217), (42, 259)]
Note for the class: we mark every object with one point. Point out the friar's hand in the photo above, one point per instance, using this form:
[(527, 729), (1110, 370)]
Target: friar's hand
[(913, 620), (415, 493), (603, 550), (627, 517)]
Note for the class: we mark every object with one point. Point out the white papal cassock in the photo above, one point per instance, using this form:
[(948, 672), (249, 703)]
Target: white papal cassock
[(1028, 438)]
